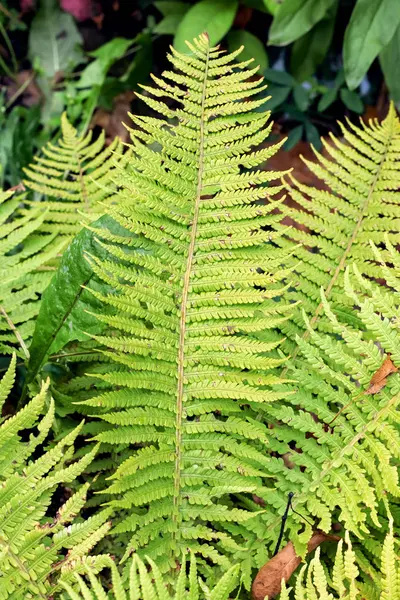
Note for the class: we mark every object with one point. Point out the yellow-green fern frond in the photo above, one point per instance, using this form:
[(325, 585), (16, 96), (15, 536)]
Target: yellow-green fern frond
[(145, 584), (75, 176), (197, 281), (358, 201), (26, 266), (35, 545), (345, 429)]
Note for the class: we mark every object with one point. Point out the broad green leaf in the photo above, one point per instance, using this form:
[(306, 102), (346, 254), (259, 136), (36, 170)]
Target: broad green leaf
[(278, 95), (309, 51), (327, 99), (372, 25), (352, 100), (95, 73), (168, 8), (212, 16), (390, 61), (253, 47), (279, 77), (295, 18), (54, 41), (301, 97), (63, 317)]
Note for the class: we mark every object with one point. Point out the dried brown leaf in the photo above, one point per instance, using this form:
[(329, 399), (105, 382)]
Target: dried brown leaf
[(379, 379), (282, 566)]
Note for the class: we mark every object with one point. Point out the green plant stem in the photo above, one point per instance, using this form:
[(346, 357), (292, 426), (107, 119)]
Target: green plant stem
[(15, 331), (10, 48)]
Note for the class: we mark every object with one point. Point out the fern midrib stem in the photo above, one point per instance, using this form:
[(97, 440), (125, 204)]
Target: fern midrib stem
[(22, 567), (182, 326), (345, 254)]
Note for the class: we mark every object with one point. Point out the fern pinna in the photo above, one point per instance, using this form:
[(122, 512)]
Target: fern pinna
[(196, 276)]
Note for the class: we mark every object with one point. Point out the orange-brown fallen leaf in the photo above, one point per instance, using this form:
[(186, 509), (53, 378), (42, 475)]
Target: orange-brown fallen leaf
[(379, 379), (281, 566)]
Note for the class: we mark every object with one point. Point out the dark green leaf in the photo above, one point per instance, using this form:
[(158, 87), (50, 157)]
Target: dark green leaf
[(312, 135), (390, 61), (294, 18), (327, 99), (54, 41), (62, 317), (301, 97), (278, 95), (372, 25), (309, 51), (352, 100), (253, 47), (212, 16), (294, 137), (95, 73), (279, 77), (167, 8)]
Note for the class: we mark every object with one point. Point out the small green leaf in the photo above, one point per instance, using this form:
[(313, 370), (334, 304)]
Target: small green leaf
[(390, 61), (294, 18), (293, 137), (173, 13), (278, 95), (372, 25), (253, 47), (212, 16), (62, 316), (279, 77), (327, 99), (95, 73), (301, 97), (312, 135), (309, 51), (352, 100), (54, 41)]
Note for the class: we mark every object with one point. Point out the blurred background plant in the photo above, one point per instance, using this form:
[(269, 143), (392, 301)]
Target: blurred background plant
[(322, 59)]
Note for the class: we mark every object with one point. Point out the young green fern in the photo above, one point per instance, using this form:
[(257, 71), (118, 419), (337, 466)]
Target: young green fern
[(75, 176), (197, 277), (361, 171), (27, 256), (143, 584), (34, 548)]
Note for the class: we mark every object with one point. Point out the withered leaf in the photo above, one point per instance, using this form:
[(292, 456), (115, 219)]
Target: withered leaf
[(281, 566), (379, 379)]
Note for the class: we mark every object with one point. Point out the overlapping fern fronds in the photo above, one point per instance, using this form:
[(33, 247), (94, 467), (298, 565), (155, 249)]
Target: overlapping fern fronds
[(25, 254), (196, 278), (347, 580), (143, 584), (74, 176), (345, 434), (359, 201), (34, 545)]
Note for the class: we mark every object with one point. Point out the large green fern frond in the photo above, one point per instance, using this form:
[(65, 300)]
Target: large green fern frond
[(357, 200), (26, 267), (34, 544), (196, 275), (75, 176)]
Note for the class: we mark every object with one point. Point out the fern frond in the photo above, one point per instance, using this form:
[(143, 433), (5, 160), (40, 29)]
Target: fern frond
[(348, 435), (143, 584), (33, 545), (196, 276), (334, 226), (75, 176), (25, 270)]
